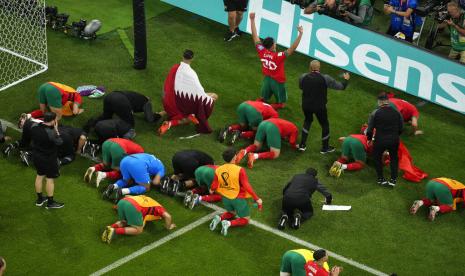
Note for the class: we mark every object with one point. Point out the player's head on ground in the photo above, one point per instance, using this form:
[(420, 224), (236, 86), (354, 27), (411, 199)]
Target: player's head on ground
[(315, 65), (320, 256), (269, 44), (50, 118), (383, 99), (312, 171), (229, 155), (188, 56)]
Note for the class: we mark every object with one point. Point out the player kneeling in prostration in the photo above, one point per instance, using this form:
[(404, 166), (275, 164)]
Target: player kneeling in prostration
[(319, 267), (442, 195), (232, 184), (59, 98), (293, 262), (354, 148), (184, 163), (251, 114), (133, 213), (272, 131), (113, 151), (204, 176), (136, 170)]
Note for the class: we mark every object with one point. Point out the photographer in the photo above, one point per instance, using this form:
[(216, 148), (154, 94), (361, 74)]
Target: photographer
[(402, 17), (357, 12), (328, 7), (456, 24)]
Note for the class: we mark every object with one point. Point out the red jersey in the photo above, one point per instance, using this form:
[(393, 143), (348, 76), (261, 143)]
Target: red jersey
[(364, 140), (244, 184), (272, 63), (313, 269), (128, 146), (288, 130), (406, 109), (265, 109), (74, 97)]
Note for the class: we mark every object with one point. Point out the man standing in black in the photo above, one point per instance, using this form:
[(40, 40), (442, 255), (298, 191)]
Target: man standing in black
[(314, 87), (45, 141), (297, 198), (388, 124)]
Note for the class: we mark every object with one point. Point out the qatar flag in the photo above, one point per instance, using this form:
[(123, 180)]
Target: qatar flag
[(184, 95)]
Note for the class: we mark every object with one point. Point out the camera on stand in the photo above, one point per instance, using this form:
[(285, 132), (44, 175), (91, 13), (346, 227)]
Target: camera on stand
[(59, 22)]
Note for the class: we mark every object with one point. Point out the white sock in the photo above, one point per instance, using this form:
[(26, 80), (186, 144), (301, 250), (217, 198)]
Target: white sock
[(344, 166), (255, 155), (436, 208), (200, 198), (125, 191), (420, 202)]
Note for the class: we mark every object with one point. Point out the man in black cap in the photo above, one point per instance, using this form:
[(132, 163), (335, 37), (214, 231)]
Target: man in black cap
[(388, 124), (45, 141), (314, 87), (317, 266), (297, 196)]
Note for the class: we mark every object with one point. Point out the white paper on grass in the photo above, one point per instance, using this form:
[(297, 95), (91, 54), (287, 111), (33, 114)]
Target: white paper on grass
[(336, 207)]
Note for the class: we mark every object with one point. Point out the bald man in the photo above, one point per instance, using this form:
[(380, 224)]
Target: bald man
[(314, 87)]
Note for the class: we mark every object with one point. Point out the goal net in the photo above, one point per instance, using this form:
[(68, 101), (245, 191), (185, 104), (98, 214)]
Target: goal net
[(23, 41)]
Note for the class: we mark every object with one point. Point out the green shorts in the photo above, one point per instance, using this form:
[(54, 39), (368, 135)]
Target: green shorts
[(129, 213), (238, 205), (271, 87), (204, 176), (112, 154), (353, 148), (440, 192), (248, 115), (269, 132), (49, 95), (294, 263)]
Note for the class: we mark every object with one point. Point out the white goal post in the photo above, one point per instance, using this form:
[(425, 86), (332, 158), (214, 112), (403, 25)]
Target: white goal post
[(23, 41)]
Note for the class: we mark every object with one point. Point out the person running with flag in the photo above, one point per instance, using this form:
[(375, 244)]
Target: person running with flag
[(133, 213), (273, 65), (293, 262), (113, 151), (136, 169), (251, 114), (232, 183), (272, 131), (204, 176), (442, 195)]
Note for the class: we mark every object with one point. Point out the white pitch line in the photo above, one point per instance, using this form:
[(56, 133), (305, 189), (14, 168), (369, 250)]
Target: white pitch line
[(154, 245), (10, 125), (304, 243)]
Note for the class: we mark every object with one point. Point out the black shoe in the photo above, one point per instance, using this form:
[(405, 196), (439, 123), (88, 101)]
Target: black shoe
[(301, 148), (164, 184), (108, 191), (222, 135), (175, 187), (237, 32), (94, 149), (327, 150), (40, 202), (235, 135), (392, 183), (26, 158), (296, 221), (118, 195), (382, 182), (229, 36), (54, 205), (282, 222)]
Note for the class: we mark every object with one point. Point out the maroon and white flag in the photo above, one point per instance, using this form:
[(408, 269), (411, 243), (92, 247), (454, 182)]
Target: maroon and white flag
[(185, 95)]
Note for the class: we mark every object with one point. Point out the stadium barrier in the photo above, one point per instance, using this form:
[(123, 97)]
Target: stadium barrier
[(375, 56)]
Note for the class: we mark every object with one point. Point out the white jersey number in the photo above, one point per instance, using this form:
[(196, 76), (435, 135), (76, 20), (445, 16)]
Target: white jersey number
[(269, 64)]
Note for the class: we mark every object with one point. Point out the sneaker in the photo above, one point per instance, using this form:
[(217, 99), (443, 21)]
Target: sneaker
[(193, 119), (174, 188), (229, 36), (338, 171), (24, 156), (41, 202), (54, 205), (94, 148), (382, 182), (194, 201), (85, 148), (282, 222), (433, 210), (334, 168), (187, 198), (235, 135), (108, 191), (327, 150), (88, 175), (164, 128), (296, 221), (222, 135), (301, 148), (225, 224), (22, 119), (415, 206), (100, 176), (164, 185), (104, 235), (110, 234), (215, 221), (250, 160), (238, 32), (240, 156), (118, 194), (392, 183)]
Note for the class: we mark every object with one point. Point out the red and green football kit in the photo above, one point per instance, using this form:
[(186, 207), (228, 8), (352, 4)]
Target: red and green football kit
[(265, 109), (286, 130), (313, 269), (406, 109), (251, 114), (204, 176), (445, 192)]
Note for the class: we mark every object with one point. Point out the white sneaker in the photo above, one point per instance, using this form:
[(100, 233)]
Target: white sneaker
[(433, 210), (100, 176), (216, 220), (88, 175), (225, 224), (187, 198), (415, 206)]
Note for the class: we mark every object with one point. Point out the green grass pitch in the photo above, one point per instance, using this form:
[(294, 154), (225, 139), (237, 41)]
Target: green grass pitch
[(378, 231)]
